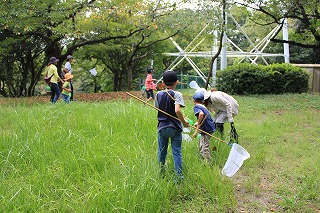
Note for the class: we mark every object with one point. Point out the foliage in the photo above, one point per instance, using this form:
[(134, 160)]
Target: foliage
[(259, 79), (303, 17), (33, 31)]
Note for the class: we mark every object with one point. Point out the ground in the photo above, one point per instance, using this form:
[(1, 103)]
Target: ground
[(261, 201), (78, 97)]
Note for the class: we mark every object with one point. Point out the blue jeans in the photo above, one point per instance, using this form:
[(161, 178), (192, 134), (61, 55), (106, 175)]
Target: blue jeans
[(176, 145), (55, 92), (66, 98)]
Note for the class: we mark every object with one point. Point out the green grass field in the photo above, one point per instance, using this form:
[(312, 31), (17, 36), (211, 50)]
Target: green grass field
[(102, 157)]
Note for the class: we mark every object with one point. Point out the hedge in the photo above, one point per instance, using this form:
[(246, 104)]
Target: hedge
[(245, 79)]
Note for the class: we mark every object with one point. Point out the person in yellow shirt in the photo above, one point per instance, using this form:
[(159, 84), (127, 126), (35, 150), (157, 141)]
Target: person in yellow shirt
[(52, 71)]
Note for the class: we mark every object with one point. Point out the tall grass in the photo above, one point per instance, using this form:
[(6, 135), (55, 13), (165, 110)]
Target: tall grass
[(102, 157), (88, 157)]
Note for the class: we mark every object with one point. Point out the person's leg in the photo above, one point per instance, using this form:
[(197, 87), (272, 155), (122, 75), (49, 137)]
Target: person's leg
[(149, 94), (71, 87), (162, 146), (205, 147), (52, 93), (66, 98), (220, 118), (143, 92), (57, 93), (220, 128), (176, 145)]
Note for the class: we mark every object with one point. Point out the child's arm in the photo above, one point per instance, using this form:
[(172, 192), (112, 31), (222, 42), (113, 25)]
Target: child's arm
[(199, 122), (65, 88), (180, 115)]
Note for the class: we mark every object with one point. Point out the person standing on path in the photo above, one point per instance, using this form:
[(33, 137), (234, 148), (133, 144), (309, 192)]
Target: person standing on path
[(170, 101), (68, 69), (52, 71), (66, 90), (150, 86)]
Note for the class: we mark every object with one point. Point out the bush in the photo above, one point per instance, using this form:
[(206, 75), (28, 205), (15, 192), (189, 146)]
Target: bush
[(258, 79)]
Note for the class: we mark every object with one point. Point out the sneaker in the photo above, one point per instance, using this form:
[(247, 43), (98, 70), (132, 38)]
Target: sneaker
[(179, 179), (162, 171)]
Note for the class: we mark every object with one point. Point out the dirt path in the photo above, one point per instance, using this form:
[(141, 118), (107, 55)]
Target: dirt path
[(252, 199), (92, 97)]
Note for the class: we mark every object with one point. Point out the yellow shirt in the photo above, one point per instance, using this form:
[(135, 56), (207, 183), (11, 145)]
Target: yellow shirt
[(52, 69)]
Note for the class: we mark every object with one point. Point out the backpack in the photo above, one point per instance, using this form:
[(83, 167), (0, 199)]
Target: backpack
[(47, 79)]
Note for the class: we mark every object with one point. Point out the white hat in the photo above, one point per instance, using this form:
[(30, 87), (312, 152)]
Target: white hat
[(205, 93)]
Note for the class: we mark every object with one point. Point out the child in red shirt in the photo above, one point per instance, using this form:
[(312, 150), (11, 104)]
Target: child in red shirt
[(150, 86)]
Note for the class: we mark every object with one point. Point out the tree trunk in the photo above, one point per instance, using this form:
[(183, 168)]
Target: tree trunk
[(2, 89), (130, 79), (55, 51), (116, 81), (95, 84)]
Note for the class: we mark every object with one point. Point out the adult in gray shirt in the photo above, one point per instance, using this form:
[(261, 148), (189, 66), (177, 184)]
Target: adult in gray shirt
[(223, 105)]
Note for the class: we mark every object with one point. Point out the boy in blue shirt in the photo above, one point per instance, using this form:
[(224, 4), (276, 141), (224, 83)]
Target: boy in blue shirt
[(205, 123), (170, 101)]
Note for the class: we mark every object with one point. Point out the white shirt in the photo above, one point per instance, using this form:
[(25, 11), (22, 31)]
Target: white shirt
[(68, 66), (224, 102)]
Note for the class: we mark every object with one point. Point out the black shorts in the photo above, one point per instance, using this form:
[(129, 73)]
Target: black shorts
[(150, 93)]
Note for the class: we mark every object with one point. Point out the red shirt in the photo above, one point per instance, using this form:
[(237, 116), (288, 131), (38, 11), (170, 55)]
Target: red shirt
[(149, 83)]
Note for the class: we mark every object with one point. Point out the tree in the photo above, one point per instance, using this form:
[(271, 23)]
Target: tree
[(303, 16), (58, 28), (126, 57)]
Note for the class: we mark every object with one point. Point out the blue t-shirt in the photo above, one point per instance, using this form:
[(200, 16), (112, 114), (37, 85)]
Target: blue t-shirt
[(208, 124)]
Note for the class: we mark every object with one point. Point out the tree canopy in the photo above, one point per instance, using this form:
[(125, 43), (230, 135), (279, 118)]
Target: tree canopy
[(303, 17), (33, 31), (123, 36)]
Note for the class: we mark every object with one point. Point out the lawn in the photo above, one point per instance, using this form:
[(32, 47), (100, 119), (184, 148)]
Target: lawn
[(102, 157)]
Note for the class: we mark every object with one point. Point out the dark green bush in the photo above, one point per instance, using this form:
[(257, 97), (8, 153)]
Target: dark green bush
[(258, 79)]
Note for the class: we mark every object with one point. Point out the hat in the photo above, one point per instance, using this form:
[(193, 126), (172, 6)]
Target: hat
[(198, 97), (169, 77), (53, 60), (68, 76), (205, 93), (69, 57)]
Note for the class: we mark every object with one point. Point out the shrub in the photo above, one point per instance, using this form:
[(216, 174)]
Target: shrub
[(258, 79), (286, 78)]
